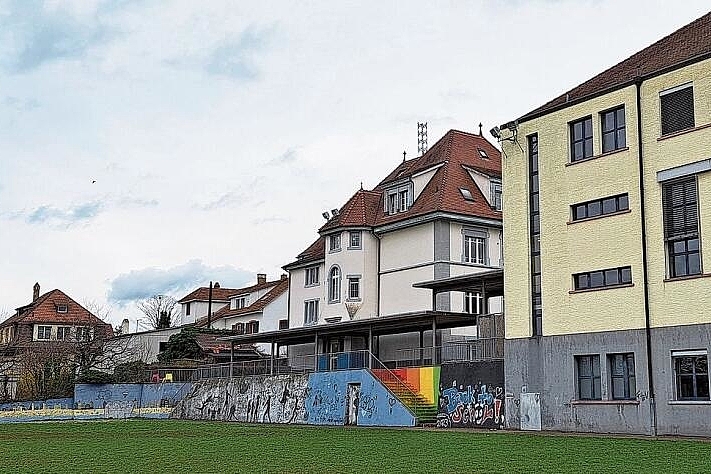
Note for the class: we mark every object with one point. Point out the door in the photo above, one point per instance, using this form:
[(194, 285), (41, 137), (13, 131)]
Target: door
[(335, 346), (352, 399)]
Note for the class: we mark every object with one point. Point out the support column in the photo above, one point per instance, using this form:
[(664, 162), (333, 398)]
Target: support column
[(370, 347), (271, 359), (316, 352), (434, 340), (421, 347), (232, 357)]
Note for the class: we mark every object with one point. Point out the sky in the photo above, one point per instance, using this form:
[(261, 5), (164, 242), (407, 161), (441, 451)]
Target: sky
[(151, 147)]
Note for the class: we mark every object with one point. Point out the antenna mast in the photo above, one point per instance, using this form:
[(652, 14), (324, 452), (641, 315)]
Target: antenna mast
[(421, 138)]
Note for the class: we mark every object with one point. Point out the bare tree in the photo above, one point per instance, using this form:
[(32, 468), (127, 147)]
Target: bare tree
[(160, 312), (100, 310)]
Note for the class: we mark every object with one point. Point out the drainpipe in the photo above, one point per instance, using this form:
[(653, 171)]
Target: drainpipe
[(647, 324), (377, 280)]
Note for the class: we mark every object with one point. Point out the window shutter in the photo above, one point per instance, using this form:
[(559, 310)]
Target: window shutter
[(677, 110), (679, 202)]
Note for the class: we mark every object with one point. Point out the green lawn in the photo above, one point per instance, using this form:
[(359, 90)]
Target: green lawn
[(181, 446)]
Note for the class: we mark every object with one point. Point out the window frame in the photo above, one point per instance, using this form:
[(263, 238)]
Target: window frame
[(584, 139), (473, 298), (604, 274), (398, 198), (619, 200), (676, 357), (354, 280), (65, 331), (334, 243), (671, 91), (311, 276), (334, 284), (42, 331), (475, 243), (628, 376), (685, 233), (62, 308), (311, 312), (359, 235), (496, 194), (616, 128), (593, 378)]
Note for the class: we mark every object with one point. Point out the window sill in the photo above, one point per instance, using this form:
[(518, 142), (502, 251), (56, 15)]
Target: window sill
[(312, 285), (334, 250), (595, 157), (353, 300), (611, 287), (626, 211), (689, 402), (334, 301), (605, 402), (355, 248), (683, 132), (687, 277)]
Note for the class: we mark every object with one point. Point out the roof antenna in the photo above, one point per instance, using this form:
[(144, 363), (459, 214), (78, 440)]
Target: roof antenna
[(480, 129), (361, 185), (403, 155), (421, 138)]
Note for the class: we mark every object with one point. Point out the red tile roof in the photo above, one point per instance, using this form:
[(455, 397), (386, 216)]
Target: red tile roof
[(313, 253), (223, 294), (687, 44), (44, 310), (360, 210), (259, 305)]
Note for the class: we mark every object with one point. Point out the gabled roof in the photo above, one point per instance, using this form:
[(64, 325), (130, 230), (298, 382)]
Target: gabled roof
[(452, 154), (313, 253), (223, 294), (44, 310), (686, 45), (259, 305)]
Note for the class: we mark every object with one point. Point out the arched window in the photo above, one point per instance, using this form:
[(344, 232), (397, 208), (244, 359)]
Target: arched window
[(334, 285)]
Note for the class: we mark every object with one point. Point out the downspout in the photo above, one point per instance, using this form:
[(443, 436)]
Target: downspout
[(645, 276)]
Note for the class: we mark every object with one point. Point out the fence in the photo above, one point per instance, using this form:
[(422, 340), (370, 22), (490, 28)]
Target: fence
[(470, 351)]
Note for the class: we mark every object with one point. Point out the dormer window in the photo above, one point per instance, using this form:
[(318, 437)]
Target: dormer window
[(466, 194), (62, 308), (398, 199), (334, 243), (239, 303), (496, 195), (483, 154)]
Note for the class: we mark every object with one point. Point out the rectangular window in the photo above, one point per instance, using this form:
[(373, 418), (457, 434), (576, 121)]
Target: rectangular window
[(252, 327), (83, 334), (334, 242), (44, 333), (588, 368), (677, 109), (472, 302), (62, 308), (474, 247), (63, 333), (602, 278), (310, 312), (187, 309), (681, 227), (398, 198), (354, 288), (613, 129), (600, 207), (354, 239), (691, 372), (238, 328), (622, 379), (311, 275), (283, 324), (581, 139), (403, 200), (496, 195), (239, 303), (392, 203), (535, 236)]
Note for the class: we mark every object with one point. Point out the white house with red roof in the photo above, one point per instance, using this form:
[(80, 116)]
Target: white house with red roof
[(433, 217)]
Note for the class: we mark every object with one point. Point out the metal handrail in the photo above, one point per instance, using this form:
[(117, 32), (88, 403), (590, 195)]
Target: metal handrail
[(400, 384)]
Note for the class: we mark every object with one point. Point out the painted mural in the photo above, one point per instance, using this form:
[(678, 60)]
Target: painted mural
[(322, 398), (471, 395), (94, 401), (256, 399)]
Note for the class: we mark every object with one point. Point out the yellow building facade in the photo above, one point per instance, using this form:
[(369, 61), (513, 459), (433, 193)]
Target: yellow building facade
[(607, 248)]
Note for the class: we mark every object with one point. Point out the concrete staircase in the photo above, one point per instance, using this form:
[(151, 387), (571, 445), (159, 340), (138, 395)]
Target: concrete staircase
[(423, 409)]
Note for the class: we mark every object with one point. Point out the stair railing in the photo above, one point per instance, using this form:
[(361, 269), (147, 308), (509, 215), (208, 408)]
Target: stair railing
[(398, 383)]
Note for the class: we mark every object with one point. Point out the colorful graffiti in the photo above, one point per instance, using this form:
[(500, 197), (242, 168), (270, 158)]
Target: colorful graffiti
[(38, 410), (467, 404)]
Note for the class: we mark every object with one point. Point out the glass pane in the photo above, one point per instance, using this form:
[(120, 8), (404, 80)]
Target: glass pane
[(595, 365), (623, 203), (694, 264), (701, 365), (596, 279), (608, 141), (535, 224), (609, 205), (618, 387), (611, 277), (534, 202), (585, 389), (617, 364), (626, 275), (536, 263), (621, 117), (685, 365), (581, 282), (578, 151), (577, 131), (536, 287), (685, 386), (597, 391), (584, 368), (608, 121), (633, 386), (702, 386), (588, 127), (588, 147), (680, 265), (536, 243), (594, 209), (679, 246), (692, 244), (621, 139), (534, 185), (580, 212)]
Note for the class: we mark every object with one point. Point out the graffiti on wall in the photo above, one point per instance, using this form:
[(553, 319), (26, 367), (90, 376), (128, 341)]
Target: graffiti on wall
[(257, 399), (471, 395), (37, 410)]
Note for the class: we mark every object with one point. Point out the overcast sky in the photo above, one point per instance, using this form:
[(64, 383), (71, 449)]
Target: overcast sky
[(149, 147)]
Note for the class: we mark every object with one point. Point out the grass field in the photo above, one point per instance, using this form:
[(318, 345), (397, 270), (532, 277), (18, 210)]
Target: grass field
[(180, 446)]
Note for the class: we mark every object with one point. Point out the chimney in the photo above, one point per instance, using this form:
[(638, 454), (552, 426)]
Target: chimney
[(124, 326), (261, 278), (284, 276), (216, 285), (35, 292)]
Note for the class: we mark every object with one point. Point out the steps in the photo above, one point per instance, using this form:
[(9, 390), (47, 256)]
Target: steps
[(423, 409)]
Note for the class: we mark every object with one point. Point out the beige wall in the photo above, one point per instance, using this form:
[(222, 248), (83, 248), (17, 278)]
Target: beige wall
[(397, 294), (611, 241), (405, 247)]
